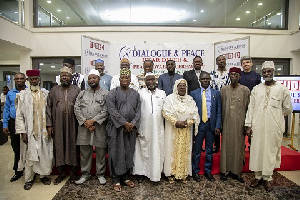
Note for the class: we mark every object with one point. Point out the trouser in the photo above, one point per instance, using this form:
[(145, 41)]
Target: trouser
[(29, 173), (15, 142), (217, 141), (259, 175), (203, 132), (86, 152), (119, 178)]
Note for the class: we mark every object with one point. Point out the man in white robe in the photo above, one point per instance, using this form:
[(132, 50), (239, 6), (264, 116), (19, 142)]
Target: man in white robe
[(269, 103), (149, 148), (115, 82), (37, 145)]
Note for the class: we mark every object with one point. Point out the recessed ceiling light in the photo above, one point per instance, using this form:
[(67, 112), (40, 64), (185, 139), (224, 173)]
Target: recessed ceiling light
[(41, 63), (247, 11), (52, 66), (58, 10), (40, 69), (68, 17), (16, 22), (279, 69), (194, 20), (16, 12), (238, 19), (269, 23), (48, 1), (278, 14), (260, 4), (202, 11), (39, 18)]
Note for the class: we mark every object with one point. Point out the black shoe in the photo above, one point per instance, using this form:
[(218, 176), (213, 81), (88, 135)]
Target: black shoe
[(223, 177), (209, 177), (215, 150), (16, 176), (196, 177), (237, 177), (140, 178)]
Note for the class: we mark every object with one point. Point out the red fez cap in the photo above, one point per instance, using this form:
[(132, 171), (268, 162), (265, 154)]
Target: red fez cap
[(33, 72), (235, 69)]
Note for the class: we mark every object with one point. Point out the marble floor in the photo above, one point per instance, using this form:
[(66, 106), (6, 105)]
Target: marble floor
[(15, 191)]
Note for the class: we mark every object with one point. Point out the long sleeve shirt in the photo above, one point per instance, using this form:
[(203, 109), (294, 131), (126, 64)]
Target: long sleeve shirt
[(9, 111)]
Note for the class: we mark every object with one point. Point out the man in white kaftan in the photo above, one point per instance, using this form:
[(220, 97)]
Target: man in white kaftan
[(149, 148), (37, 145), (269, 103)]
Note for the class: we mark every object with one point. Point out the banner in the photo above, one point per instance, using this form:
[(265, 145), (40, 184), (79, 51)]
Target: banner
[(233, 50), (182, 54), (91, 50)]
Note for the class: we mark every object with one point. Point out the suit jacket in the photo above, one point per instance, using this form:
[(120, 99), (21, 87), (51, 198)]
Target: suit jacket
[(165, 84), (216, 109), (192, 80)]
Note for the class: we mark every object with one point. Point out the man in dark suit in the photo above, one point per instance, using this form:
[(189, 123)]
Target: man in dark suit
[(166, 81), (208, 101), (192, 76)]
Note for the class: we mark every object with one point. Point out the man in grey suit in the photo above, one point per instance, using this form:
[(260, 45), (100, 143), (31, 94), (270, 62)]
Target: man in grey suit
[(192, 76), (166, 81)]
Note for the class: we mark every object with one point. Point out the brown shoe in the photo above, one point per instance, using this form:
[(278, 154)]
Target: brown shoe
[(256, 182), (268, 186)]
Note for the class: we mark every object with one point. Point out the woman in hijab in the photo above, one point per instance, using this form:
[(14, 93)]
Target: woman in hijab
[(180, 112)]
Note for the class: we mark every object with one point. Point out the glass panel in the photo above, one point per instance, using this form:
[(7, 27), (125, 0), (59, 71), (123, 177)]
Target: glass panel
[(10, 10), (212, 13)]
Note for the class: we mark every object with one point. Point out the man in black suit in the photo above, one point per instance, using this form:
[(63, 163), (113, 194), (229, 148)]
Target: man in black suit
[(192, 76)]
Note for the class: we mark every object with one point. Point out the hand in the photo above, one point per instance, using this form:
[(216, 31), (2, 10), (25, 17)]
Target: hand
[(128, 126), (249, 131), (89, 122), (92, 128), (24, 138), (217, 131), (181, 124), (6, 131), (50, 131)]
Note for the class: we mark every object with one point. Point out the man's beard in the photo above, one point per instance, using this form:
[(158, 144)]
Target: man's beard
[(94, 85), (65, 83), (270, 78), (34, 88)]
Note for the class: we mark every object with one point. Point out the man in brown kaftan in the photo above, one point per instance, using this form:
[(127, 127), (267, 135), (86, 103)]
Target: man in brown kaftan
[(235, 100), (62, 123)]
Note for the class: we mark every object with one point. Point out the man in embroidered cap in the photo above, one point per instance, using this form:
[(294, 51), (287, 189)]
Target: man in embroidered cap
[(105, 79), (9, 118), (91, 113), (62, 124), (149, 152), (124, 108), (37, 151), (235, 100), (115, 82), (77, 78), (269, 103)]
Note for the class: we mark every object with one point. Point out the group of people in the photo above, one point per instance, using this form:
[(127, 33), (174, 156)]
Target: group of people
[(148, 124)]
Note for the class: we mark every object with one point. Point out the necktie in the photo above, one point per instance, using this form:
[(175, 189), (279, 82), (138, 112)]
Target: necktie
[(204, 108)]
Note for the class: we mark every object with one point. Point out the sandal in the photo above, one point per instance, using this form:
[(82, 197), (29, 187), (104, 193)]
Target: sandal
[(59, 179), (45, 180), (117, 187), (129, 183), (28, 185)]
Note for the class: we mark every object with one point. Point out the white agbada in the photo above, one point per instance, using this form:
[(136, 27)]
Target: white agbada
[(115, 82), (267, 108), (39, 151), (149, 149)]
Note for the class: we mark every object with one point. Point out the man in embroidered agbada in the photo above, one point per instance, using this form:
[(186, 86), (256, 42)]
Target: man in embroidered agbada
[(62, 124), (91, 112), (149, 148), (269, 103), (235, 100), (180, 112), (37, 145), (124, 108)]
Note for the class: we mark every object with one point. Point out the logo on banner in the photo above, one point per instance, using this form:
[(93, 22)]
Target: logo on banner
[(124, 52)]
